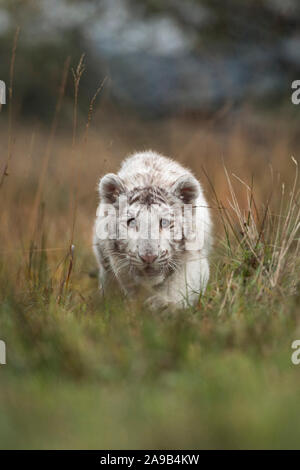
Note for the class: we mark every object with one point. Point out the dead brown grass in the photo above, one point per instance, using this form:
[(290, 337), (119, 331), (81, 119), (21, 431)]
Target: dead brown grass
[(259, 156)]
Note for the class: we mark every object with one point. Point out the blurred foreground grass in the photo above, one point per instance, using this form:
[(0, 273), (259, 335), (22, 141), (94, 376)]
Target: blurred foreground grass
[(83, 372)]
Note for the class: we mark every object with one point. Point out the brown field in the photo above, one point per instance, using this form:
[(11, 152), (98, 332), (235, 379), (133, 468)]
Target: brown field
[(63, 175)]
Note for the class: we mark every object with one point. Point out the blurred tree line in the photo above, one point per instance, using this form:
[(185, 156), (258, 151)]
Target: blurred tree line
[(42, 50), (228, 24), (52, 30)]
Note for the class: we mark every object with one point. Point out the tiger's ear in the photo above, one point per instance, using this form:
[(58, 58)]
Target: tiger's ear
[(186, 188), (110, 188)]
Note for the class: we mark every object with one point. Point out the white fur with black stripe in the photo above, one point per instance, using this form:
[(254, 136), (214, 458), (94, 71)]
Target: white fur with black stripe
[(172, 272)]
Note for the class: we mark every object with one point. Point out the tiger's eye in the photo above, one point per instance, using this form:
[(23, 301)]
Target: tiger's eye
[(131, 223), (164, 223)]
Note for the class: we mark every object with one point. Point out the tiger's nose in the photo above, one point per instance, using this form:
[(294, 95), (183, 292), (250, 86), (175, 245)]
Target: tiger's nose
[(148, 258)]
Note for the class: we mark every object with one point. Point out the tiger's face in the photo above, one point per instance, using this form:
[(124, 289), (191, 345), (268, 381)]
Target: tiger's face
[(148, 247), (144, 226)]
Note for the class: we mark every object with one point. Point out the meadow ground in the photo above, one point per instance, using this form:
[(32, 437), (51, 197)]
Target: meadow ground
[(88, 372)]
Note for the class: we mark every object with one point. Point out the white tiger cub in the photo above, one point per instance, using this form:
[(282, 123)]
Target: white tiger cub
[(153, 231)]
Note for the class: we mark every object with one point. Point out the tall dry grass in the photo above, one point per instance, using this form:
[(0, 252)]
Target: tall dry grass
[(49, 176), (52, 180)]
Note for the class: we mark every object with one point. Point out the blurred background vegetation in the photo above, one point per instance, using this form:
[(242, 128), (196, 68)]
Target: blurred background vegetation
[(161, 57)]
